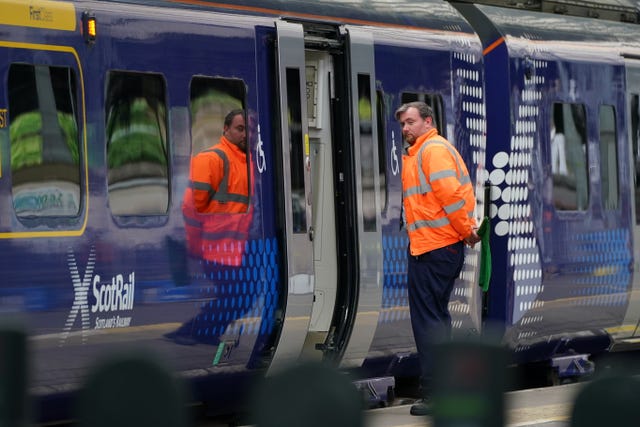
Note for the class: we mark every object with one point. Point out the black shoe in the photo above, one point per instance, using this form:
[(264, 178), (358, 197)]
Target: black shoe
[(421, 407)]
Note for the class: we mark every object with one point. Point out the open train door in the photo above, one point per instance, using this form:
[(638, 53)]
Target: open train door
[(368, 247), (296, 181), (629, 335), (330, 193)]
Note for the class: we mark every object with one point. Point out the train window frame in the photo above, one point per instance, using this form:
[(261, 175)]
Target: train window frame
[(367, 159), (210, 100), (139, 93), (230, 94), (609, 158), (568, 136), (296, 143), (52, 95), (381, 112)]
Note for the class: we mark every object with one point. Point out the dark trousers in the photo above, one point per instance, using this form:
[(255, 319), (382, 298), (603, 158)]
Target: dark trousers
[(431, 277)]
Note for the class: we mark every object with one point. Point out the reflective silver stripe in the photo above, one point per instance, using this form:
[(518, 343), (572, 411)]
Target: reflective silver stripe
[(233, 197), (442, 174), (454, 207), (425, 187), (462, 179), (412, 191), (203, 186), (223, 194), (433, 223)]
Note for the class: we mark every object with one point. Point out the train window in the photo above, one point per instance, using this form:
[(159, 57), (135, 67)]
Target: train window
[(382, 149), (45, 162), (136, 135), (569, 157), (367, 166), (608, 157), (296, 143), (212, 102), (432, 100)]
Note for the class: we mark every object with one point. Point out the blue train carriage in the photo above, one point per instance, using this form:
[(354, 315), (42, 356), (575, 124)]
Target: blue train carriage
[(103, 105), (346, 296), (563, 98), (98, 131)]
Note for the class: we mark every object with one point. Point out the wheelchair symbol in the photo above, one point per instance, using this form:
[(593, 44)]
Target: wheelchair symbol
[(261, 160), (395, 161)]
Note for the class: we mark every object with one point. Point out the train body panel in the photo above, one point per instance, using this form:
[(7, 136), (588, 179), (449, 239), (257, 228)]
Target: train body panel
[(562, 213), (101, 249), (104, 273)]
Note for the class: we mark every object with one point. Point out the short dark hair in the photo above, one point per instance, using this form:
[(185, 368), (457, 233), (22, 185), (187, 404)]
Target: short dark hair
[(229, 117), (423, 109)]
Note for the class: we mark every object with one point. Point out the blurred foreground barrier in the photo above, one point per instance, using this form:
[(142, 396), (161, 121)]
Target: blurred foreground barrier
[(470, 381), (608, 401), (309, 395), (131, 390), (13, 376)]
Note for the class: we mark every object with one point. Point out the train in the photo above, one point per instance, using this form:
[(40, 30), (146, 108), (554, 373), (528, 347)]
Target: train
[(104, 103)]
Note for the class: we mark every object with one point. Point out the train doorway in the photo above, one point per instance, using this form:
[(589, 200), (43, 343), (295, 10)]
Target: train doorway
[(632, 319), (331, 202)]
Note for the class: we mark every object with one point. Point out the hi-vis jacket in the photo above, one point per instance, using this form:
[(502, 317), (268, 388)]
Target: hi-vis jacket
[(438, 197), (219, 184), (220, 179)]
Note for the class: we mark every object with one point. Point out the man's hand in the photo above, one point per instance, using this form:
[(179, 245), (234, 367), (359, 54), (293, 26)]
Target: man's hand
[(472, 238)]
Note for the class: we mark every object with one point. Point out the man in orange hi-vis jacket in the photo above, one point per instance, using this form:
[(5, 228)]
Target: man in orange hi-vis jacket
[(438, 212), (219, 175), (219, 183)]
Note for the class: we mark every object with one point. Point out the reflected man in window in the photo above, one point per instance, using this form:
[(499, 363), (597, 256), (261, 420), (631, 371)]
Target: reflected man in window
[(216, 205), (219, 175), (218, 216)]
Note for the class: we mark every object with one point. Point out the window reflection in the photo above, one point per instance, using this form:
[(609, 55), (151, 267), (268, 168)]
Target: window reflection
[(137, 155), (216, 203), (608, 157), (44, 141), (382, 150), (569, 157), (367, 159), (297, 156)]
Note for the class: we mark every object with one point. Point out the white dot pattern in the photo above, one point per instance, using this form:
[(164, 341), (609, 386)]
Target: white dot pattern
[(467, 81), (511, 207)]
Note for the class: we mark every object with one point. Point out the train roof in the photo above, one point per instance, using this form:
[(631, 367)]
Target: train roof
[(612, 10), (419, 14), (615, 38)]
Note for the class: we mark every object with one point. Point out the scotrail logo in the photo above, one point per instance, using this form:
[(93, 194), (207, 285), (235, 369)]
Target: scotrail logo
[(113, 298)]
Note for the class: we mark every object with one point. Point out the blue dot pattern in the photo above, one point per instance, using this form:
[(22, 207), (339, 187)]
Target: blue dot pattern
[(602, 267), (238, 300), (394, 294)]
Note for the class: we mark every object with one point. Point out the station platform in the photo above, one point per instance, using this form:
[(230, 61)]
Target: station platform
[(547, 406)]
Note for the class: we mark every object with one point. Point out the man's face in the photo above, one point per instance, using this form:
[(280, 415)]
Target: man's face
[(236, 133), (413, 126)]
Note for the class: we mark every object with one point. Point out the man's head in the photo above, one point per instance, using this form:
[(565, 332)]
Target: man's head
[(235, 129), (416, 119)]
